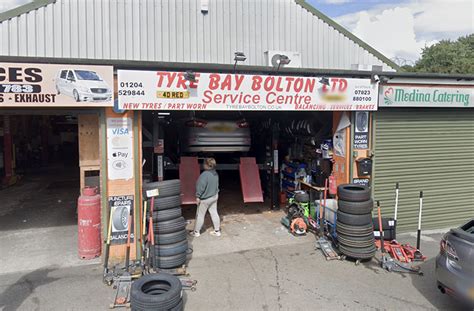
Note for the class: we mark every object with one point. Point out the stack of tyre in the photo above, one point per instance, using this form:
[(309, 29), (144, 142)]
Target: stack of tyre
[(157, 292), (169, 227), (354, 221)]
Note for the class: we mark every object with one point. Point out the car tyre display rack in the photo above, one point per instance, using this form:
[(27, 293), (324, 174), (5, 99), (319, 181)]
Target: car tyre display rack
[(354, 222), (169, 227)]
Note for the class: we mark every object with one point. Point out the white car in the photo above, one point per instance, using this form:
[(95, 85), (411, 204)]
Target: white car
[(82, 85)]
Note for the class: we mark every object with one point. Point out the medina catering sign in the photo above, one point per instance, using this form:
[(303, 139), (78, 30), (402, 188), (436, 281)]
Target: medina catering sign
[(427, 96), (54, 85)]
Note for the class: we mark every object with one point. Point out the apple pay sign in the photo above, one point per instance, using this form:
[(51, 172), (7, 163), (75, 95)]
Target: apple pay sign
[(119, 148)]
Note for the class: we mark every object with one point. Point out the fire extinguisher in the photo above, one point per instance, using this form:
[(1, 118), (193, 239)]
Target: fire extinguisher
[(332, 185)]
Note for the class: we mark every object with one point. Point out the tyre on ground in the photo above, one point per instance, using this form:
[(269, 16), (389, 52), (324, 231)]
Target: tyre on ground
[(156, 292)]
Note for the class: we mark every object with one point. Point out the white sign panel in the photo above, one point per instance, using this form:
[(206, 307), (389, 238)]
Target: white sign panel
[(158, 90), (427, 96), (56, 85), (119, 148)]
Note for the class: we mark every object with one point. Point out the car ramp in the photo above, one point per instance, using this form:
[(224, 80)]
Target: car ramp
[(250, 180), (188, 175)]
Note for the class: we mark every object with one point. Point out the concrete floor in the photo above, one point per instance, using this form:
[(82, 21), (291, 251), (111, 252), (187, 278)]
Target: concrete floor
[(254, 265), (38, 223)]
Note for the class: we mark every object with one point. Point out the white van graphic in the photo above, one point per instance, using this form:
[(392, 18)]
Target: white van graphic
[(82, 85)]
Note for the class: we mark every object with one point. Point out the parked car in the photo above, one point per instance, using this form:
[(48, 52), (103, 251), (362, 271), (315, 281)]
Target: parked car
[(200, 135), (82, 85), (455, 263)]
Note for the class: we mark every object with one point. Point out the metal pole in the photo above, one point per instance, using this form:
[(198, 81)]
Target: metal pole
[(396, 201), (418, 237)]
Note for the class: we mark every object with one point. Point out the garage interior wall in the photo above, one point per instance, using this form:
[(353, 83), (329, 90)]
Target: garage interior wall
[(429, 150)]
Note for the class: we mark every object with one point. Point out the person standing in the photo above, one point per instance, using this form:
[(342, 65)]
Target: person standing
[(207, 194)]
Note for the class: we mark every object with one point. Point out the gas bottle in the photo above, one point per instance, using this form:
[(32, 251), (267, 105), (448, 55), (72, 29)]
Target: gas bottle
[(88, 224), (332, 184)]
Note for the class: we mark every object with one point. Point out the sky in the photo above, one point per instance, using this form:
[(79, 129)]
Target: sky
[(399, 29)]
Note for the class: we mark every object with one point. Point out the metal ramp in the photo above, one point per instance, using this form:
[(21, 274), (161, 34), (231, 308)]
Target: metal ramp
[(188, 175), (250, 180)]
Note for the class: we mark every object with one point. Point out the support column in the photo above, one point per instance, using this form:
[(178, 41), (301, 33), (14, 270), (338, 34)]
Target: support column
[(8, 152)]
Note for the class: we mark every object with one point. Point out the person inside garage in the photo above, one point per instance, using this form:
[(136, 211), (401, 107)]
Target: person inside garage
[(207, 194)]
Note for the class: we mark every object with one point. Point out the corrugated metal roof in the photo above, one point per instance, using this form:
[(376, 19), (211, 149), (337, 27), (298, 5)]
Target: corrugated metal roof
[(177, 31), (394, 77)]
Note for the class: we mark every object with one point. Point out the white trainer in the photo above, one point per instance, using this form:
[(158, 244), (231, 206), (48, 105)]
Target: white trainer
[(215, 233), (194, 233)]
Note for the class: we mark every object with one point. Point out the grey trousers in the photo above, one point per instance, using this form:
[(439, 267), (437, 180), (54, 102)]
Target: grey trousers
[(205, 205)]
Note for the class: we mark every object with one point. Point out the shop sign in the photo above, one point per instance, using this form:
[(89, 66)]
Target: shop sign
[(361, 181), (157, 90), (361, 130), (427, 96), (55, 85), (121, 208), (119, 148)]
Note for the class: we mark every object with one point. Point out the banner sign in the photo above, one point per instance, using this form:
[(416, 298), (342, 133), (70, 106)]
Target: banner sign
[(119, 148), (361, 130), (121, 208), (157, 90), (427, 96), (54, 85)]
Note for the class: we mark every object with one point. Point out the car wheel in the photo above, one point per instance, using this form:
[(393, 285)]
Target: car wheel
[(76, 96), (120, 218), (57, 90)]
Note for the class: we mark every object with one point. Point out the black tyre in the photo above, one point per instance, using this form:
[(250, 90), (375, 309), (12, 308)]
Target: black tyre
[(167, 202), (156, 292), (353, 193), (358, 252), (302, 197), (356, 208), (387, 223), (388, 235), (165, 188), (170, 238), (169, 262), (389, 228), (76, 96), (179, 307), (356, 241), (120, 218), (354, 220), (167, 214), (169, 226), (353, 230), (171, 249)]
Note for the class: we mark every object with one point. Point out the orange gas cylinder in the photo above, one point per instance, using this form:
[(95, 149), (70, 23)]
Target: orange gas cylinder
[(88, 224)]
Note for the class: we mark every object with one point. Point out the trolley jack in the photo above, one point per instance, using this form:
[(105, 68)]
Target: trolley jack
[(387, 262)]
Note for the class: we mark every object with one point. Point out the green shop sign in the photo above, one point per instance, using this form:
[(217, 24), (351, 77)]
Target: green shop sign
[(425, 96)]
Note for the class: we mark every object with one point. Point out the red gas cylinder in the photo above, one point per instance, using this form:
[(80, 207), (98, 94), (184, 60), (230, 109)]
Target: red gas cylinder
[(332, 184), (88, 223)]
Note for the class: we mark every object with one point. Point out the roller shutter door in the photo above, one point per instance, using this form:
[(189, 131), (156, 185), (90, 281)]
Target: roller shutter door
[(429, 150)]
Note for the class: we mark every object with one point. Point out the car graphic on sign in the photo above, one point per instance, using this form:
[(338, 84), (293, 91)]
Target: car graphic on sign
[(83, 85)]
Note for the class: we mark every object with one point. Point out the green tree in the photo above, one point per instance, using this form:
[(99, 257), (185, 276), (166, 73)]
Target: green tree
[(447, 56)]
